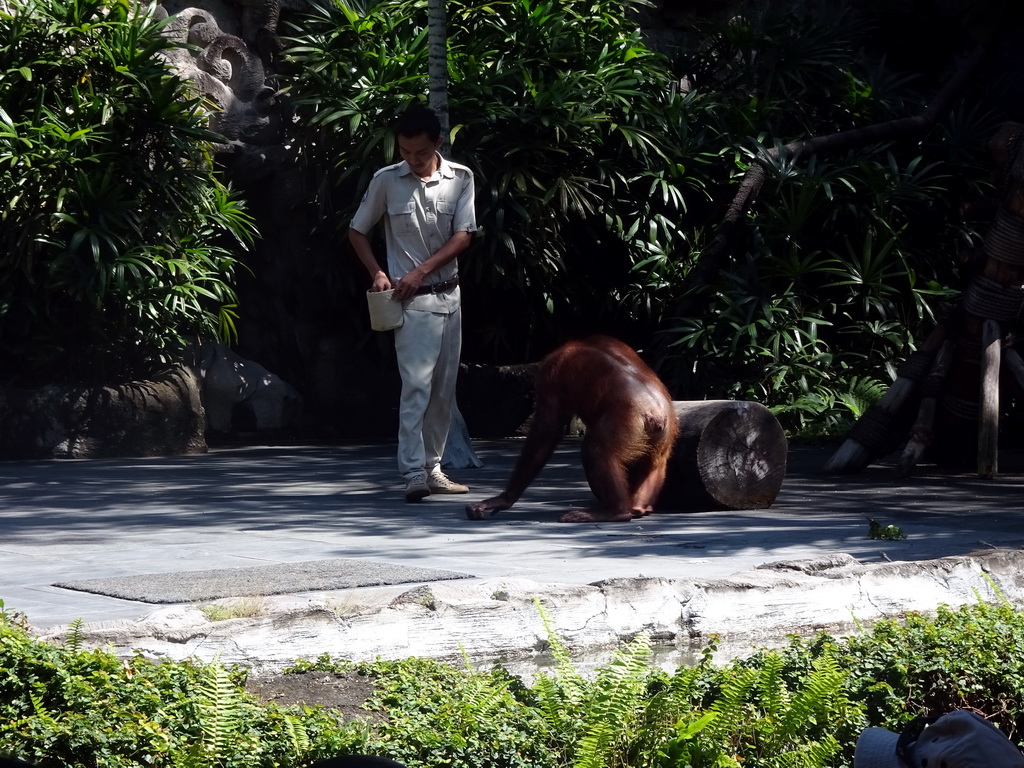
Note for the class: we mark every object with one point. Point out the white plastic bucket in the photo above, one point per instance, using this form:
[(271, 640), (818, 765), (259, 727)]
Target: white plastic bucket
[(385, 314)]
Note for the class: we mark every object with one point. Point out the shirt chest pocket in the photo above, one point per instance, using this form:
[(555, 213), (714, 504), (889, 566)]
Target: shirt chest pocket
[(402, 215), (445, 214)]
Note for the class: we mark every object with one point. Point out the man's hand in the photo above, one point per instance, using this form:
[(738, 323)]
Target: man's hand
[(381, 282), (407, 285)]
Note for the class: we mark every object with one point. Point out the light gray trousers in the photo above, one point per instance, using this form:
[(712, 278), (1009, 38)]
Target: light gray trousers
[(428, 346)]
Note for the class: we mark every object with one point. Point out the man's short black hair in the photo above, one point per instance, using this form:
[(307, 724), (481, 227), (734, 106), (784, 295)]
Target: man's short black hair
[(416, 120)]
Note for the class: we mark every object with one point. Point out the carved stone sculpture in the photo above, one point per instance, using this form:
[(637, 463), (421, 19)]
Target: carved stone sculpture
[(231, 64), (230, 381)]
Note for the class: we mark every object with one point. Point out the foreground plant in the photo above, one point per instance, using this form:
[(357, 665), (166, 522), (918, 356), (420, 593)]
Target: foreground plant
[(72, 707), (801, 705)]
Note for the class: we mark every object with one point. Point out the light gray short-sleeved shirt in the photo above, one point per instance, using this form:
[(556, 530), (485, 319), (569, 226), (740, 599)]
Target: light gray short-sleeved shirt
[(419, 216)]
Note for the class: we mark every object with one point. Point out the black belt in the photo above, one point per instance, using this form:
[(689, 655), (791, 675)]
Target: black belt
[(444, 287)]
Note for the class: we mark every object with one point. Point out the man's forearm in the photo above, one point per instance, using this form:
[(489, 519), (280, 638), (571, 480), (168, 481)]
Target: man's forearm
[(447, 253), (364, 252)]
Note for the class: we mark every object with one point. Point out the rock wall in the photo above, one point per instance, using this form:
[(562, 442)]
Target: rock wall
[(146, 418)]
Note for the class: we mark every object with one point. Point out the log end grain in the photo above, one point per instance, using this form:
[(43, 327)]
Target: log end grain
[(730, 454)]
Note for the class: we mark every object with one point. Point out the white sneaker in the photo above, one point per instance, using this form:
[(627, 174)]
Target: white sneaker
[(439, 482), (416, 488)]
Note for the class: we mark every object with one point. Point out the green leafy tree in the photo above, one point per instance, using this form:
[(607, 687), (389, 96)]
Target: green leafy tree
[(578, 138), (117, 241), (846, 257), (604, 168)]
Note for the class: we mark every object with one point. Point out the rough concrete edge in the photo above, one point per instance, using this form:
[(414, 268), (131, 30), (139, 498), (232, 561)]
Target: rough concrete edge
[(499, 618)]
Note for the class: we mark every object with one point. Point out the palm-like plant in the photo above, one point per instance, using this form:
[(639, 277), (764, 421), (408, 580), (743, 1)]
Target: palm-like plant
[(572, 125), (602, 167), (114, 255)]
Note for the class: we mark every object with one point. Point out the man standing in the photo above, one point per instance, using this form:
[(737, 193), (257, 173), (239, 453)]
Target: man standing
[(427, 204)]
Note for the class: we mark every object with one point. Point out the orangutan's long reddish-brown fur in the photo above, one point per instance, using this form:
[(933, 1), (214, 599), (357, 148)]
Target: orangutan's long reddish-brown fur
[(631, 427)]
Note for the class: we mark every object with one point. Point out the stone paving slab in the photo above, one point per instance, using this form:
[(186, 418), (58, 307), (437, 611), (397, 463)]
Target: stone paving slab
[(268, 505), (278, 579)]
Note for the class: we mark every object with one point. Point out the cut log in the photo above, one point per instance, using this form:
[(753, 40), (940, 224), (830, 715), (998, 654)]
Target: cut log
[(729, 454)]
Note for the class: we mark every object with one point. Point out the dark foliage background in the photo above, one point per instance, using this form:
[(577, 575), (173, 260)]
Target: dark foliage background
[(118, 241), (603, 166), (608, 139)]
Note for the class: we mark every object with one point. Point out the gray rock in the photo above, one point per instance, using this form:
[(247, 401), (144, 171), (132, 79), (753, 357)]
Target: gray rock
[(230, 380), (160, 417)]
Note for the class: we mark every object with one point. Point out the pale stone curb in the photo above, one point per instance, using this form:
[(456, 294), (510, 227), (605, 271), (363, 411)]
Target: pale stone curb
[(484, 620)]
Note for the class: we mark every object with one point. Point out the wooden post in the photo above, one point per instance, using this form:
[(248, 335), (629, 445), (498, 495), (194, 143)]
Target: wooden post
[(988, 419)]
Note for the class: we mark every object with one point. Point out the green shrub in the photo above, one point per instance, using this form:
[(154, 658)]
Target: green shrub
[(967, 657), (116, 237), (582, 149), (801, 705), (78, 708), (761, 718), (844, 259)]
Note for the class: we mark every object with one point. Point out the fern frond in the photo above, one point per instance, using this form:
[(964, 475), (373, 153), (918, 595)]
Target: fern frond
[(824, 752), (566, 670), (560, 697), (814, 700), (862, 392), (298, 738), (774, 696), (617, 701), (40, 710), (798, 733), (675, 699), (696, 742), (74, 639), (733, 703), (219, 709)]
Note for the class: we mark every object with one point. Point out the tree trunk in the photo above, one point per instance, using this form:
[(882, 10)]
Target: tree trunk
[(961, 407), (988, 426), (437, 67), (459, 451), (922, 433), (729, 454), (875, 431)]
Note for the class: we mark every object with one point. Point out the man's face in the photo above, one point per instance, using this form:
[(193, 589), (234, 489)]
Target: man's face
[(419, 152)]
